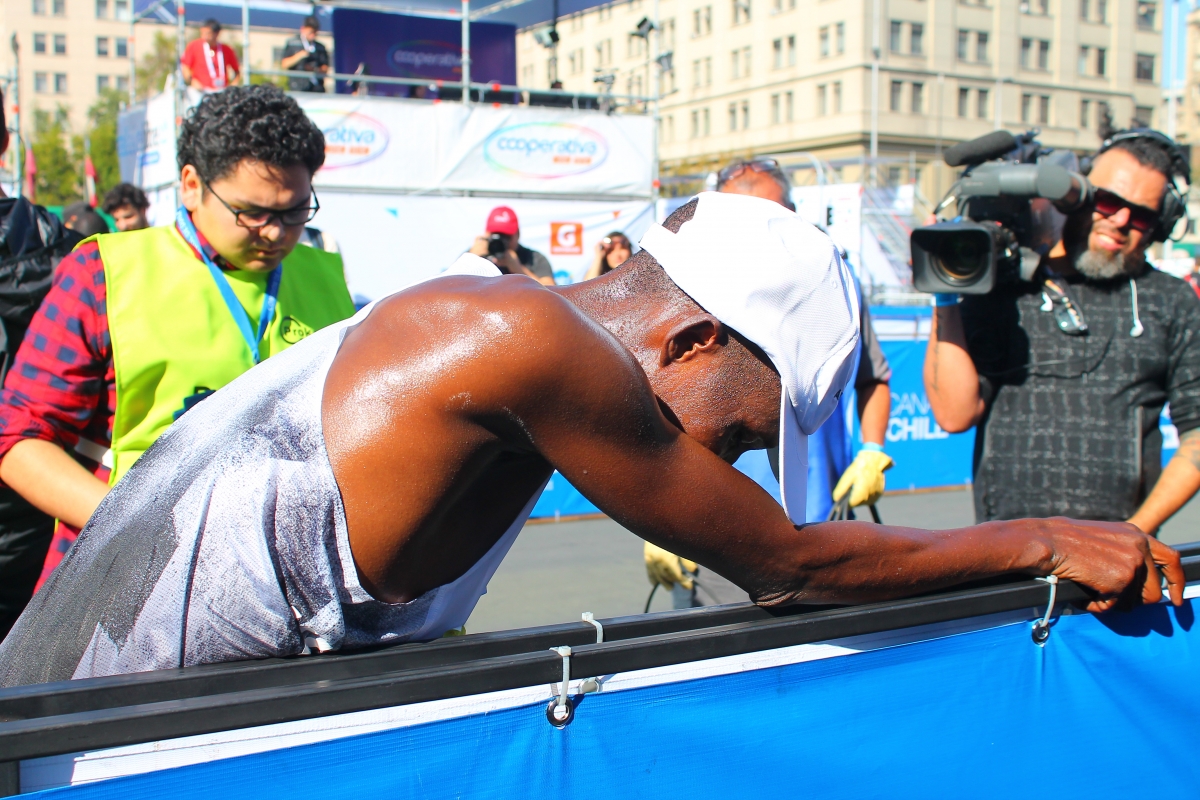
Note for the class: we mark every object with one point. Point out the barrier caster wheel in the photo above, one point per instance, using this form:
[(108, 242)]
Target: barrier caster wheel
[(560, 717)]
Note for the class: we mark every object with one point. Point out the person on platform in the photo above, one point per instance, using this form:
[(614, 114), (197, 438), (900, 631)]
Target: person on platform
[(363, 487), (142, 325), (127, 205), (303, 53), (833, 472), (32, 241), (611, 252), (508, 253), (208, 65), (1065, 376), (83, 219)]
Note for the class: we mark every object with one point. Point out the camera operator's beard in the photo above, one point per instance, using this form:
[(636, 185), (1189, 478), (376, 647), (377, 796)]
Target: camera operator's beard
[(1103, 266)]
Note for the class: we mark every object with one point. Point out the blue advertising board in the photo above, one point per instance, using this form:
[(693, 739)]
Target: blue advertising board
[(405, 46)]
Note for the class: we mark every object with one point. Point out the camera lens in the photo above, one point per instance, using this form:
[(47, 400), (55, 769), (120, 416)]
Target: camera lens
[(962, 259)]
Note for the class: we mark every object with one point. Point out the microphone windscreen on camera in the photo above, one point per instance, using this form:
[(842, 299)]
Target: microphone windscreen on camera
[(994, 145)]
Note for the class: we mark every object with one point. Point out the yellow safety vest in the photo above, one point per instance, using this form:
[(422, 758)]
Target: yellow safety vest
[(173, 337)]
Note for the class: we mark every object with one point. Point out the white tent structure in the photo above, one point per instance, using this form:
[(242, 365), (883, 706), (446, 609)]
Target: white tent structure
[(408, 184)]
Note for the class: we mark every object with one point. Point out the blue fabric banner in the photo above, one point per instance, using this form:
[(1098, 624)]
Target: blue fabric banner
[(1106, 709)]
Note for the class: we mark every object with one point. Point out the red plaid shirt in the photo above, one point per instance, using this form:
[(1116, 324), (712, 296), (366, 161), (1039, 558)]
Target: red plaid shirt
[(62, 387)]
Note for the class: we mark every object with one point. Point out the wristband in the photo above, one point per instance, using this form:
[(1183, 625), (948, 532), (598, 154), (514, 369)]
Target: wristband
[(873, 447), (946, 299)]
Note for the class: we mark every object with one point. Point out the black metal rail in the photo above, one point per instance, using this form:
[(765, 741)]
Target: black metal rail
[(106, 712)]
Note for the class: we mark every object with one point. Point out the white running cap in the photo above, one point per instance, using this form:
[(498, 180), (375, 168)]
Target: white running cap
[(781, 283)]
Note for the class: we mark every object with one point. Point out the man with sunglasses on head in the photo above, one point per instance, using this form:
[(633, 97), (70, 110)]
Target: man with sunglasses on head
[(1065, 376), (141, 326)]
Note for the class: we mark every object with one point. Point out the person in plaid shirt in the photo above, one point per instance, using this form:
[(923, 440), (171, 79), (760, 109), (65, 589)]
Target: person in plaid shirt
[(58, 405)]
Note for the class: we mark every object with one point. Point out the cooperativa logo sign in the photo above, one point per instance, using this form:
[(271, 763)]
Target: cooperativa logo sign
[(351, 138), (545, 150), (426, 58)]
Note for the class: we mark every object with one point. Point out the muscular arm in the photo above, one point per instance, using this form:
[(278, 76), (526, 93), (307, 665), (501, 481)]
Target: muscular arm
[(951, 381), (1177, 484), (52, 481)]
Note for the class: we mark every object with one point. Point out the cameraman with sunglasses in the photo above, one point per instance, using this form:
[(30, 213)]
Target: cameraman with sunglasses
[(1065, 376), (142, 325)]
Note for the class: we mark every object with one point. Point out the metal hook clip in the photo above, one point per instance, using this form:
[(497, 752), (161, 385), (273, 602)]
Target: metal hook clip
[(560, 711), (1041, 627), (592, 684)]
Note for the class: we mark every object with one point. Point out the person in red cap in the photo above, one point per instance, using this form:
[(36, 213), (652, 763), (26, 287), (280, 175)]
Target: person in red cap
[(501, 245)]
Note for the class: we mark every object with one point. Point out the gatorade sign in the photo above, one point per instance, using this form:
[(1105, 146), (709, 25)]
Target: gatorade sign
[(566, 238)]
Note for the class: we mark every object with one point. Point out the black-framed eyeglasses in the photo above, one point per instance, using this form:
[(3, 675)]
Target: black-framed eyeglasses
[(1141, 218), (255, 218), (757, 165)]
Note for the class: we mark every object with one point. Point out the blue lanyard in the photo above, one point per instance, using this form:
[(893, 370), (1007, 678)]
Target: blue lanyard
[(183, 221)]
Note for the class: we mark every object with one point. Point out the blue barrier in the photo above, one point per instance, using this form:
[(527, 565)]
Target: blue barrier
[(1104, 709)]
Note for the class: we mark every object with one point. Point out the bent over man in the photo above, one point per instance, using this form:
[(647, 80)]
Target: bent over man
[(363, 486)]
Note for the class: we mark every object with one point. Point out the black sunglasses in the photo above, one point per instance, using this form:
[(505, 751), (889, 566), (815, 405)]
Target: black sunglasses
[(255, 218), (758, 165), (1141, 218)]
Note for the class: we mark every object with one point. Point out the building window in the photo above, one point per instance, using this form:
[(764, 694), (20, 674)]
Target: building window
[(964, 101), (918, 98), (837, 97), (897, 33), (788, 106), (733, 116), (704, 127), (695, 124), (1043, 62), (916, 44), (981, 45), (39, 43), (893, 176), (1085, 54), (1085, 108), (702, 22), (604, 53), (1026, 50), (791, 51), (58, 8), (1026, 104), (40, 83), (101, 9), (964, 38), (123, 83), (1144, 116), (60, 83), (1084, 9), (1101, 10), (634, 46), (741, 12), (981, 104), (823, 41), (821, 109), (1144, 70), (668, 33), (740, 62), (774, 109), (1101, 61), (122, 47), (1044, 110), (707, 72), (102, 46), (745, 115), (39, 8), (101, 83), (897, 91), (604, 12), (839, 31), (1102, 110), (777, 53), (121, 10), (60, 44), (1145, 16)]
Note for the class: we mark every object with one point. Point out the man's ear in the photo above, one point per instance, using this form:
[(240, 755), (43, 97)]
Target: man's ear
[(191, 189), (703, 333)]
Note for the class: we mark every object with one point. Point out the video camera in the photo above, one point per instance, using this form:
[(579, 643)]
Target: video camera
[(1013, 199)]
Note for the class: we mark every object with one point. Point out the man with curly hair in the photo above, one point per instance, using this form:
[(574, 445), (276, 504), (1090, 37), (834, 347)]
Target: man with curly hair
[(142, 325)]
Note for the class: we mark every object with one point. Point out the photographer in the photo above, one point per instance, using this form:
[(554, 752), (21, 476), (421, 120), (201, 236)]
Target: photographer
[(303, 53), (501, 244), (1065, 375), (611, 252)]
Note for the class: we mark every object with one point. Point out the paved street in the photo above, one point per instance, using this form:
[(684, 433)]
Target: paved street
[(557, 571)]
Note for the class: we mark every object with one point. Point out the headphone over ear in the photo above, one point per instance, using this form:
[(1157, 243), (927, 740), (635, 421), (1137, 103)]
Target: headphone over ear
[(1174, 203)]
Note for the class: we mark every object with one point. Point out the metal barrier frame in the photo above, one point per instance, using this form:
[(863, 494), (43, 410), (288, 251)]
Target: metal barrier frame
[(51, 719)]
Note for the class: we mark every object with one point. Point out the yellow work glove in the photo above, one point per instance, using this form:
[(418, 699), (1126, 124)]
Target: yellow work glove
[(863, 479), (667, 568)]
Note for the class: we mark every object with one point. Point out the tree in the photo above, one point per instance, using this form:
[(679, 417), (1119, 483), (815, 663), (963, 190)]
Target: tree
[(156, 65), (102, 128), (58, 171)]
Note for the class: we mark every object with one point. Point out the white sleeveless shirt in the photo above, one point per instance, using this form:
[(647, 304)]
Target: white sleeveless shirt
[(226, 541)]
